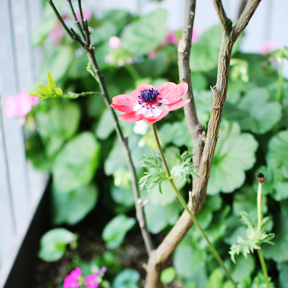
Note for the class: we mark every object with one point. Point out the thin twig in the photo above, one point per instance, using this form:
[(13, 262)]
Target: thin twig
[(225, 22), (78, 25), (123, 139), (244, 19)]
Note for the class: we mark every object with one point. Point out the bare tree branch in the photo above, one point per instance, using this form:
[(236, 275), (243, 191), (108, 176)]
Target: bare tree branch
[(168, 245), (85, 44), (195, 128), (225, 22), (244, 19), (242, 7)]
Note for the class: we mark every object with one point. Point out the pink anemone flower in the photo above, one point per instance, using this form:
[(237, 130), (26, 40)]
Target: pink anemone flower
[(151, 104)]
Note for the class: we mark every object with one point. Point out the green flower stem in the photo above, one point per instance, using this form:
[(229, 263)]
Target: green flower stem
[(170, 178), (259, 205), (133, 73), (280, 82), (263, 265), (261, 258)]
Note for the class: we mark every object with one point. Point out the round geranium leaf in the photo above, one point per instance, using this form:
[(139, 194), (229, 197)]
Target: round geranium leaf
[(53, 244), (76, 163), (254, 111), (235, 153), (278, 153)]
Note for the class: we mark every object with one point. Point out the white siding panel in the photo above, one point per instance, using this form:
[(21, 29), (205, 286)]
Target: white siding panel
[(13, 133)]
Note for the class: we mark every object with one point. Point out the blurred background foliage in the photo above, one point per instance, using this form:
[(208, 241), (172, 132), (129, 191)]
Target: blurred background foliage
[(76, 142)]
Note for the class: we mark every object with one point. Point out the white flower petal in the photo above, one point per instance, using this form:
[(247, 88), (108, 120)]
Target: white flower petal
[(163, 107), (137, 107), (164, 101), (156, 111)]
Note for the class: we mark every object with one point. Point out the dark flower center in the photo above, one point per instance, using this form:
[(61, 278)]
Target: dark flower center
[(148, 97)]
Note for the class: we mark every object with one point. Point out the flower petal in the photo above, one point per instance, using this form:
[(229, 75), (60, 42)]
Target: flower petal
[(152, 120), (143, 87), (131, 117), (124, 103), (178, 104), (172, 92)]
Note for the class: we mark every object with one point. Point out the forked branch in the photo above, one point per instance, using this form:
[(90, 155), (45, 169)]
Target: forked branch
[(86, 44), (225, 22), (229, 36)]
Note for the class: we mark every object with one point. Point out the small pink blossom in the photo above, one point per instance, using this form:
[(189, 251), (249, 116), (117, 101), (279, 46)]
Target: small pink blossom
[(171, 38), (86, 15), (151, 104), (196, 33), (114, 42), (266, 47), (91, 281), (152, 54), (57, 32), (71, 280), (20, 105)]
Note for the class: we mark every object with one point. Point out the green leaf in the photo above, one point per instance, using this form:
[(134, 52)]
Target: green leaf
[(72, 207), (76, 163), (145, 34), (244, 267), (51, 83), (278, 153), (159, 217), (187, 260), (57, 60), (176, 133), (216, 279), (128, 278), (278, 252), (253, 112), (105, 126), (205, 53), (283, 274), (212, 204), (115, 231), (112, 23), (168, 275), (203, 102), (123, 196), (53, 244), (60, 122), (235, 153)]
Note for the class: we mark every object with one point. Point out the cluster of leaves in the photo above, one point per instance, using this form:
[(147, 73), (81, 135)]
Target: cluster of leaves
[(70, 133), (254, 238)]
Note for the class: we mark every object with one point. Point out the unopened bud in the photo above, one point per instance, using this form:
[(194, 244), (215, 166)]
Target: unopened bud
[(260, 178)]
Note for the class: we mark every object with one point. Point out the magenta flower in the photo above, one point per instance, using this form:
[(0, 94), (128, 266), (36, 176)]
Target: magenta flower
[(151, 104), (86, 15), (171, 38), (71, 280), (20, 105), (267, 46), (114, 42), (91, 281)]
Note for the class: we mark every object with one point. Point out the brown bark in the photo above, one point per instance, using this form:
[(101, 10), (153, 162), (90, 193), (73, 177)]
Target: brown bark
[(229, 36)]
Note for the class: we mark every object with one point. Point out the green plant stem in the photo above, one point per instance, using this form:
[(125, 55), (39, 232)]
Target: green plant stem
[(132, 71), (280, 82), (261, 258), (259, 205), (170, 178)]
